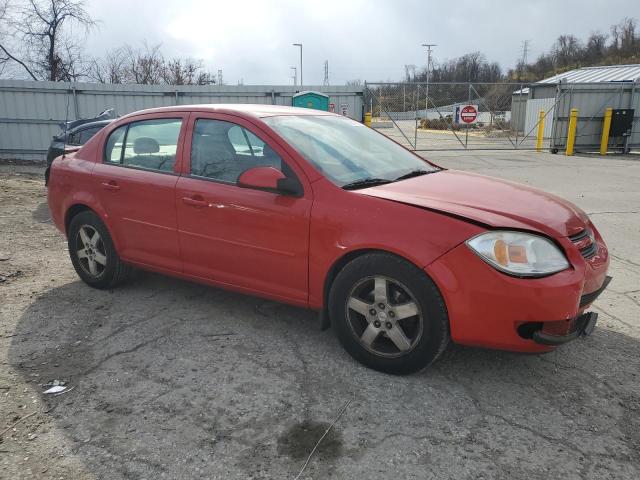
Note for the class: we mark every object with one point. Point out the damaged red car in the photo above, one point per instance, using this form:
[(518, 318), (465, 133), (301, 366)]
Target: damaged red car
[(398, 255)]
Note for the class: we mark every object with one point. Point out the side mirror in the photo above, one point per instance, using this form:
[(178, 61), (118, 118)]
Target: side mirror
[(269, 178), (261, 177)]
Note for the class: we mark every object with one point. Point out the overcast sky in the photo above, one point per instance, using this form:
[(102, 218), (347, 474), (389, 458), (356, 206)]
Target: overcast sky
[(368, 40)]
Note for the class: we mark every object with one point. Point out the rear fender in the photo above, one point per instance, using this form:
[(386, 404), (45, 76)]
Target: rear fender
[(90, 201)]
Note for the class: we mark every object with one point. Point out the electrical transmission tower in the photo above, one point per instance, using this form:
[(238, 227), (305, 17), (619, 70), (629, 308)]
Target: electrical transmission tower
[(220, 82), (525, 51), (326, 73)]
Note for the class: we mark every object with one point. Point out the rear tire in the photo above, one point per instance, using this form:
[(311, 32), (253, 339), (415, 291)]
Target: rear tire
[(388, 314), (93, 254)]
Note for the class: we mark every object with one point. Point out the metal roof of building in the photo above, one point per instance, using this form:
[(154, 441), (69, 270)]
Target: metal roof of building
[(608, 73)]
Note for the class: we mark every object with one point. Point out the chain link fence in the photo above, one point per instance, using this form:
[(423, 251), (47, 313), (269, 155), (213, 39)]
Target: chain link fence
[(490, 116)]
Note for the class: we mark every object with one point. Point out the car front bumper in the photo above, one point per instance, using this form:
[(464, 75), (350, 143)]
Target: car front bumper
[(487, 308)]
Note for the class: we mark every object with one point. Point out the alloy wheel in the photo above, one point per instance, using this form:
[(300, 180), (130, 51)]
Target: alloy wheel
[(384, 316), (91, 251)]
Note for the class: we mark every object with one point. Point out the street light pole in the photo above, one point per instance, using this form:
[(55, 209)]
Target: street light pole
[(295, 76), (429, 47), (300, 45)]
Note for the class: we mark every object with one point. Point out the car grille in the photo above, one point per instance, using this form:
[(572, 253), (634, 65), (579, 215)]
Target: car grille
[(585, 242)]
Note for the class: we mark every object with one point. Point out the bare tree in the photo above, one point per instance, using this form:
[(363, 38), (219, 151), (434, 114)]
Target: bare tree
[(567, 51), (628, 38), (110, 69), (8, 56), (207, 78), (186, 72), (41, 40), (596, 47), (147, 66)]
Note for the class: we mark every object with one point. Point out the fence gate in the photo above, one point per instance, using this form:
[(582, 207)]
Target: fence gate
[(452, 116)]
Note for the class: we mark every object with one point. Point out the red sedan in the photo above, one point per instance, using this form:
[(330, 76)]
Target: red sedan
[(316, 210)]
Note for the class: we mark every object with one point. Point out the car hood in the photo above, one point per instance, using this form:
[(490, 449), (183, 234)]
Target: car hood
[(486, 200)]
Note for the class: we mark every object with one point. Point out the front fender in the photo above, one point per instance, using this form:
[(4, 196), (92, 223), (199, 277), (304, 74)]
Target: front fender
[(340, 227)]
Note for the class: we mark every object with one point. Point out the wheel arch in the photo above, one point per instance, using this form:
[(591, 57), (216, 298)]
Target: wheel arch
[(79, 206), (342, 261), (74, 210)]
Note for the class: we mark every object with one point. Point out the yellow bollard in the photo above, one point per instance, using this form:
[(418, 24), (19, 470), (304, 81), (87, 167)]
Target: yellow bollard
[(606, 127), (540, 131), (571, 133), (367, 119)]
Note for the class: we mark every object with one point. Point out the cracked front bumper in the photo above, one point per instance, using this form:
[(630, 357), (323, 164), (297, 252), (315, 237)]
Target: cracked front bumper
[(490, 309)]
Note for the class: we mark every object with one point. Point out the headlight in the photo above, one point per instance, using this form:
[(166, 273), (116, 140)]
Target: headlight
[(518, 253)]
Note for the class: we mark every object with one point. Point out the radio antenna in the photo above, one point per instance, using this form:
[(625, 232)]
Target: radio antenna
[(66, 126)]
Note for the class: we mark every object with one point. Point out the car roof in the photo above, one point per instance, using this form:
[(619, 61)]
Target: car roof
[(242, 109)]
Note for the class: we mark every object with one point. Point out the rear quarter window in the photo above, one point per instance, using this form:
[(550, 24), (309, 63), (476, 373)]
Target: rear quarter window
[(113, 148)]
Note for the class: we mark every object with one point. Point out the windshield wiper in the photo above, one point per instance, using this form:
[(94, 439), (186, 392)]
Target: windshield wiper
[(365, 182), (414, 173)]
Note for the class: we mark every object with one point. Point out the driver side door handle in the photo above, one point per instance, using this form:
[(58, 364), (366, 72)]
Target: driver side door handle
[(196, 201)]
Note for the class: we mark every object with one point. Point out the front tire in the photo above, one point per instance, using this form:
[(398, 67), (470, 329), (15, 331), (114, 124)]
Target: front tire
[(388, 314), (93, 254)]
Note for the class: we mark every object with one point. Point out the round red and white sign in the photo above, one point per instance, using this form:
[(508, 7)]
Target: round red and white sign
[(469, 114)]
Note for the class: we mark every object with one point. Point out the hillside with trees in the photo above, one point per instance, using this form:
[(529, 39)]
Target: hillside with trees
[(620, 46)]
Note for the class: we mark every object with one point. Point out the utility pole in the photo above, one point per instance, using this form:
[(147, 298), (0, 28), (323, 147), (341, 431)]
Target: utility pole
[(326, 73), (300, 45), (295, 76), (429, 47)]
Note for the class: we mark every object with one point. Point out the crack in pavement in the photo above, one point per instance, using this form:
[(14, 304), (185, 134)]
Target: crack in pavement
[(127, 351), (614, 317), (624, 260)]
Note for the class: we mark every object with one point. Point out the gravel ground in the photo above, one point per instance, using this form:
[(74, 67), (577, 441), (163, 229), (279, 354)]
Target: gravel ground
[(170, 379)]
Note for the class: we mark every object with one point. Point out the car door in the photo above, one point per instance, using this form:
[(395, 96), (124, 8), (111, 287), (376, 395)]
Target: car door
[(136, 182), (252, 239)]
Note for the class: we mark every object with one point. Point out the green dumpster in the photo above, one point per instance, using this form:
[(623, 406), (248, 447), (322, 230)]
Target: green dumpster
[(310, 99)]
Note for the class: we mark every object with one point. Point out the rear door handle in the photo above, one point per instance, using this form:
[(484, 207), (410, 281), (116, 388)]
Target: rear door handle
[(111, 185), (195, 202)]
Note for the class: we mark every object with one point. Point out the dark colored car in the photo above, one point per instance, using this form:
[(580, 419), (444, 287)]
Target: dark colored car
[(75, 137), (76, 133)]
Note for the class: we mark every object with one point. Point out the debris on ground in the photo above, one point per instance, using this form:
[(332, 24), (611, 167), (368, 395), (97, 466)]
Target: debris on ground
[(6, 276), (56, 387)]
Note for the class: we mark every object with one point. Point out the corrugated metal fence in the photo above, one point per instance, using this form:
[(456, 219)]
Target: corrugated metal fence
[(30, 111)]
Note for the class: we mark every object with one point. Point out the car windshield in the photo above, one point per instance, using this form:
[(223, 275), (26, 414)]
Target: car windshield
[(347, 152)]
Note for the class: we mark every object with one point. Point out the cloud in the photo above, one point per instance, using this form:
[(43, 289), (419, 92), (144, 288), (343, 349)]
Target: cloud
[(367, 40)]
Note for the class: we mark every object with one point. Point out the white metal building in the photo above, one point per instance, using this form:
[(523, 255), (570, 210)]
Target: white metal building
[(590, 90)]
